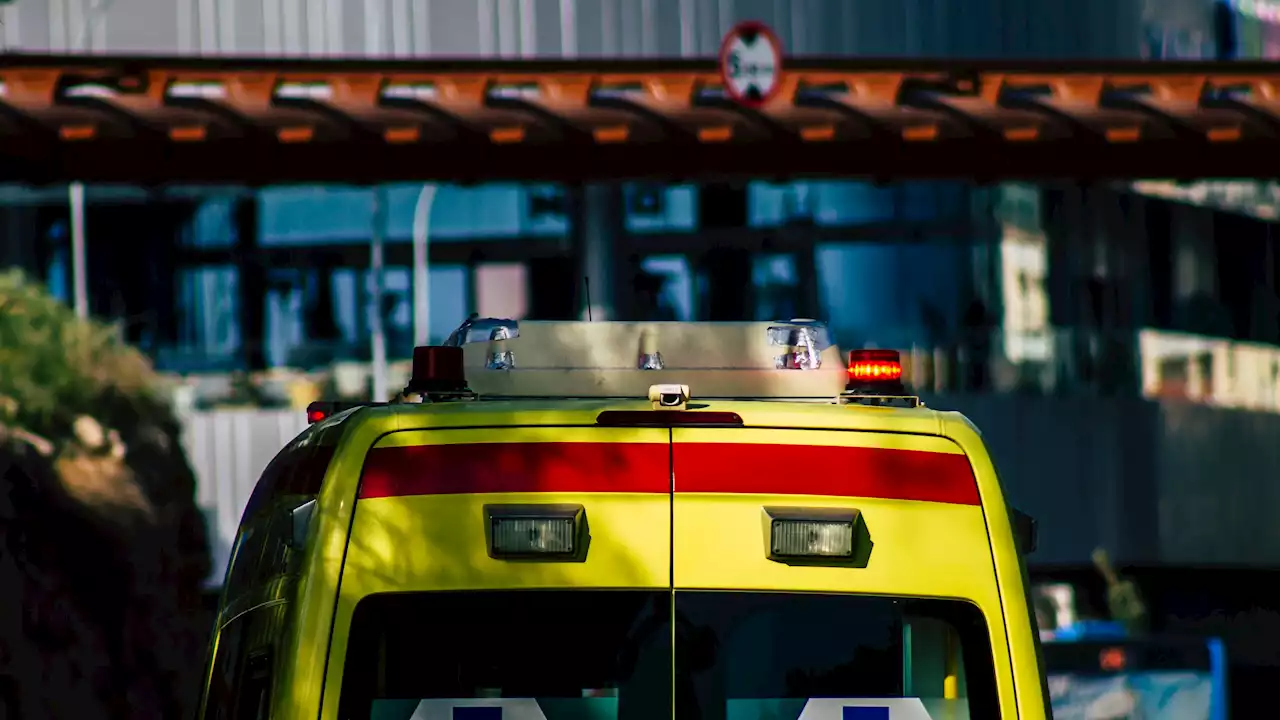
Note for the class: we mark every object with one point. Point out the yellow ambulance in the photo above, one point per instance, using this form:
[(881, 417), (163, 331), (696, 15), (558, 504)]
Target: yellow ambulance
[(631, 521)]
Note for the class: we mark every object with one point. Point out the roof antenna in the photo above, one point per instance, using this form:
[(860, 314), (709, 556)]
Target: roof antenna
[(586, 284)]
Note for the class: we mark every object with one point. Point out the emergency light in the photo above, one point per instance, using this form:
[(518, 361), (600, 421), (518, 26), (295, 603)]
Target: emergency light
[(878, 367), (324, 409), (440, 370), (875, 378), (811, 534), (533, 532)]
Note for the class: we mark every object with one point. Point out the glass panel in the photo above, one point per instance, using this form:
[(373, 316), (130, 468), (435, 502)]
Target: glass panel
[(325, 215), (502, 290), (751, 656), (657, 208), (589, 655), (1158, 679), (450, 286), (672, 286), (776, 285)]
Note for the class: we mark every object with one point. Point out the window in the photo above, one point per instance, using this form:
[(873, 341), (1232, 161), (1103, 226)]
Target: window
[(220, 694), (295, 475), (253, 699), (736, 656), (580, 653), (765, 655)]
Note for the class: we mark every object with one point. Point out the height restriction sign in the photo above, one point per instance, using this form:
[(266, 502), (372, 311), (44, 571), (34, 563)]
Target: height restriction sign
[(751, 63)]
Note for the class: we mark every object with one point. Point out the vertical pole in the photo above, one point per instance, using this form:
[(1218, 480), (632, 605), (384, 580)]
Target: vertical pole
[(376, 329), (422, 265), (79, 261)]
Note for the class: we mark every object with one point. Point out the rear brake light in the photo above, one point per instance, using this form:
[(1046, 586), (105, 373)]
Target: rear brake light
[(813, 534), (667, 418), (534, 531)]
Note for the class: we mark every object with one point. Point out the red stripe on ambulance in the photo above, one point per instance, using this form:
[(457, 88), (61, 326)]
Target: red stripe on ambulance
[(884, 473), (582, 467), (562, 467)]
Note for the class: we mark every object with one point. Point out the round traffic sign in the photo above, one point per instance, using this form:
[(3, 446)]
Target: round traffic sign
[(751, 63)]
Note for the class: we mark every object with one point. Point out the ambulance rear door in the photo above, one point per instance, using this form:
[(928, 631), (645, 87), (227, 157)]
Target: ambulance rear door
[(827, 575), (508, 572)]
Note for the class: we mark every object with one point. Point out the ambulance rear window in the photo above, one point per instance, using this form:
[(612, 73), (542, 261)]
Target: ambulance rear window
[(609, 655)]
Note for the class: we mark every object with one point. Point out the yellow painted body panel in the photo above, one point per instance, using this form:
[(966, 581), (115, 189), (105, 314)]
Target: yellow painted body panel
[(703, 541)]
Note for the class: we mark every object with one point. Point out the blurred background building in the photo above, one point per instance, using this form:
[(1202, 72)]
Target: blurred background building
[(1048, 311)]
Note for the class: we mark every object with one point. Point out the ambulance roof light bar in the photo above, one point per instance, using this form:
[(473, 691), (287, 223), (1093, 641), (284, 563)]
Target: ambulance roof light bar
[(875, 378), (805, 340), (439, 371)]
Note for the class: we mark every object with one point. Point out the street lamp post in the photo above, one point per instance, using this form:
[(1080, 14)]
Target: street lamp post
[(376, 325), (422, 265), (79, 259)]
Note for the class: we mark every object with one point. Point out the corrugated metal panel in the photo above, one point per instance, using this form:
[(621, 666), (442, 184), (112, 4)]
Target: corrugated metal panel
[(228, 450), (1063, 461), (528, 28), (1217, 485)]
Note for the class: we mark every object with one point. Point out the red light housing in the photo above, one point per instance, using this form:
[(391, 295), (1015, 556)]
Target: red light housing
[(325, 409), (875, 366), (874, 371), (437, 369), (667, 418)]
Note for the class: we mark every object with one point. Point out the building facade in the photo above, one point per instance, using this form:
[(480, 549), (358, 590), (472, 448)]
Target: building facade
[(910, 265), (1033, 288)]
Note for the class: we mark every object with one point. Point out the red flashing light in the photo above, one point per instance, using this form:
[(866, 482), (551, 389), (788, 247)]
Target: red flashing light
[(319, 410), (875, 366), (437, 368), (325, 409)]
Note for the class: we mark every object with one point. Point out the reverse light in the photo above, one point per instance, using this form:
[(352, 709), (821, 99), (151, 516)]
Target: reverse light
[(549, 532), (812, 534)]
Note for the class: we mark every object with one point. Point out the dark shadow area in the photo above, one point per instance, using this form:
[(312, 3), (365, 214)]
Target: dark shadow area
[(101, 613)]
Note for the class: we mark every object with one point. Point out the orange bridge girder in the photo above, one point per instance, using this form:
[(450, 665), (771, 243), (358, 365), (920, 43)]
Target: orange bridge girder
[(262, 121)]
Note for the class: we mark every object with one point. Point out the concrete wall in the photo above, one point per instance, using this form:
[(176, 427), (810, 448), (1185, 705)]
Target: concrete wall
[(1154, 483)]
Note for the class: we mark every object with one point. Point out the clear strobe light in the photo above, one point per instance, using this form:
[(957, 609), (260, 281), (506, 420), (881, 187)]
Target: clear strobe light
[(534, 531), (533, 536), (812, 538)]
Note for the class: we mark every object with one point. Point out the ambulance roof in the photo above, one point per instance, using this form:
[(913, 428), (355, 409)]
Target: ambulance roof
[(754, 413)]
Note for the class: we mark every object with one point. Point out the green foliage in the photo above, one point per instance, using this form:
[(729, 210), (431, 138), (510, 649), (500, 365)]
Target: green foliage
[(55, 367)]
